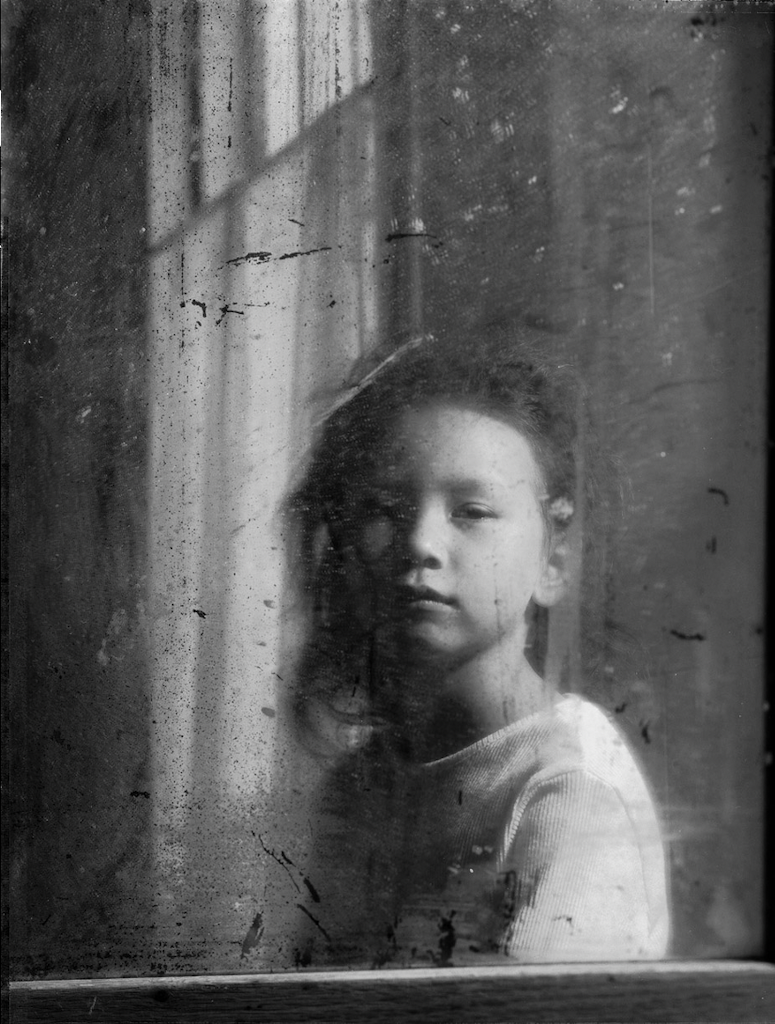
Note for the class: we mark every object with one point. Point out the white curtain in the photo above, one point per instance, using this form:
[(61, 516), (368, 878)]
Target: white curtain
[(262, 234)]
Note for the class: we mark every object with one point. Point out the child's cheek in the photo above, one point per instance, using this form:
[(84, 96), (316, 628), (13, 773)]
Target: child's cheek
[(376, 538), (358, 584)]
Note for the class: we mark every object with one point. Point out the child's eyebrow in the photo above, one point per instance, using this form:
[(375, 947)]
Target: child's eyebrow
[(451, 483), (469, 484), (473, 483)]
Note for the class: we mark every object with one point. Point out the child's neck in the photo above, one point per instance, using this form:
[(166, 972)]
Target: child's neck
[(474, 700)]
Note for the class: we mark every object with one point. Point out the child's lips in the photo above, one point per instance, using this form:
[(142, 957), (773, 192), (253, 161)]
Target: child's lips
[(423, 597)]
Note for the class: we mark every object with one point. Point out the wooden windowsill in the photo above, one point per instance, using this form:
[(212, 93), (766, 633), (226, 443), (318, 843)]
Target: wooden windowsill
[(668, 991)]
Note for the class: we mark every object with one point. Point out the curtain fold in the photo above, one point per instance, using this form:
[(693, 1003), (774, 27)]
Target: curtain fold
[(262, 170)]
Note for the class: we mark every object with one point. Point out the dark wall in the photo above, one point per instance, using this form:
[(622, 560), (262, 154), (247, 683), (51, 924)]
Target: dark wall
[(75, 102)]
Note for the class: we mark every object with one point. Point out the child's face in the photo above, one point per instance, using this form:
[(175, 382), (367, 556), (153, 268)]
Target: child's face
[(451, 534)]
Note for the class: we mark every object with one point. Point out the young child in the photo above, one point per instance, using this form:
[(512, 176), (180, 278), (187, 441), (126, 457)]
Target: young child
[(473, 811)]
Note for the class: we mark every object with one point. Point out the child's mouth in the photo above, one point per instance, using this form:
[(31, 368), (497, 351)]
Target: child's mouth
[(423, 597)]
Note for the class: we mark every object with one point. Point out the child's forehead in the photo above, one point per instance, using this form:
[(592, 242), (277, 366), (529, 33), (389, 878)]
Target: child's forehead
[(459, 439), (439, 418)]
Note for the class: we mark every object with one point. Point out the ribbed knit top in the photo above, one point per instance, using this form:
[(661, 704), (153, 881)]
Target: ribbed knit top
[(540, 842)]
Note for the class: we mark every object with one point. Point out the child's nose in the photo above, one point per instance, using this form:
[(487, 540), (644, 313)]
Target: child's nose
[(425, 540)]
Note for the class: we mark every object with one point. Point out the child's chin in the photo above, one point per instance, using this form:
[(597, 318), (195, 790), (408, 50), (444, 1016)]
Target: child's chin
[(421, 644)]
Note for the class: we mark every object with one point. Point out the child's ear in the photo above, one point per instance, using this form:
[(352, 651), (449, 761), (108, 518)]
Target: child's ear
[(556, 574)]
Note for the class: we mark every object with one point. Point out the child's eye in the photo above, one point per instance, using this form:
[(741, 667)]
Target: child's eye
[(381, 505), (390, 508), (473, 511)]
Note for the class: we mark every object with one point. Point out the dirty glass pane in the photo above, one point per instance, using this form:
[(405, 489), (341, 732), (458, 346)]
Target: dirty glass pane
[(387, 394)]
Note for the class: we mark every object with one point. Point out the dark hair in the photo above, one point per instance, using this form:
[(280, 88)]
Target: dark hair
[(501, 376)]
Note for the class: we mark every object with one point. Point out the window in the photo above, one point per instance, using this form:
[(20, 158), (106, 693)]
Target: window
[(321, 177)]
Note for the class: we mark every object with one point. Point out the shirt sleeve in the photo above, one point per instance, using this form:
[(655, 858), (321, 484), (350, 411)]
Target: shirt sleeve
[(574, 886)]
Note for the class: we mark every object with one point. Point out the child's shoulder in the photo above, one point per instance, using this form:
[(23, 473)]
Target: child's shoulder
[(574, 735), (578, 736)]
